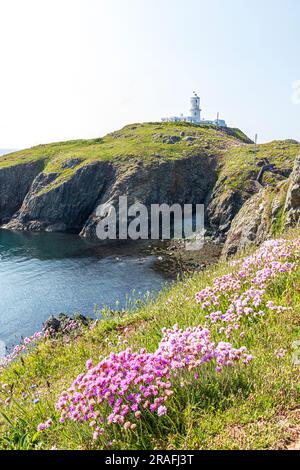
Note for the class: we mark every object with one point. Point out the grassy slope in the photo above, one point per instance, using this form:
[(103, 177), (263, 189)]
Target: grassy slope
[(136, 140), (240, 165), (244, 407)]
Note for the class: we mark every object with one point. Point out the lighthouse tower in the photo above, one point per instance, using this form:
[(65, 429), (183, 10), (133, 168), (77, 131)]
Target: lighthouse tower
[(195, 109)]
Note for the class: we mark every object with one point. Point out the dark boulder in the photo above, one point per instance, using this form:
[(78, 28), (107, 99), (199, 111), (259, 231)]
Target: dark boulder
[(60, 323)]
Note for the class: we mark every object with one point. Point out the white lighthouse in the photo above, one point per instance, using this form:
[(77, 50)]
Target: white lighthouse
[(195, 108), (195, 115)]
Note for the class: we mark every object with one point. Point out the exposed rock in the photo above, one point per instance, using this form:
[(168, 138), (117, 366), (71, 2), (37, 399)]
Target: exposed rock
[(157, 137), (222, 206), (64, 207), (174, 260), (186, 180), (71, 163), (251, 225), (275, 208), (171, 139), (266, 166), (167, 139), (70, 205), (189, 138), (61, 322), (15, 182), (292, 204), (258, 217)]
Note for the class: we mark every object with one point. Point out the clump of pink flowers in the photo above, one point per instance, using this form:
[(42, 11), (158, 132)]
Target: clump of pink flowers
[(46, 425), (124, 386), (72, 325), (24, 347), (239, 295)]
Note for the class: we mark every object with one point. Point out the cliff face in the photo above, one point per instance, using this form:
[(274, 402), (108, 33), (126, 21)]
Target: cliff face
[(292, 203), (250, 226), (71, 206), (58, 187), (15, 182), (65, 207), (267, 213), (222, 206), (180, 181)]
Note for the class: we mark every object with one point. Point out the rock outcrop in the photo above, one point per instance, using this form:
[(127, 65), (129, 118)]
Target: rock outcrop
[(186, 180), (292, 204), (222, 206), (64, 207), (250, 226), (71, 205), (15, 182), (63, 323), (266, 213)]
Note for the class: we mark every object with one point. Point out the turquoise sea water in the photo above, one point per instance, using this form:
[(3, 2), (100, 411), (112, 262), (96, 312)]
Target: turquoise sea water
[(44, 274)]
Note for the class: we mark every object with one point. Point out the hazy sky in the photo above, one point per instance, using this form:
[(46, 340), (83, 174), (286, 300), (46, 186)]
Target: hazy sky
[(81, 68)]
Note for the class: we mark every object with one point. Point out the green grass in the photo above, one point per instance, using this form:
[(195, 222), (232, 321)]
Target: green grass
[(144, 142), (239, 162), (133, 141), (249, 407)]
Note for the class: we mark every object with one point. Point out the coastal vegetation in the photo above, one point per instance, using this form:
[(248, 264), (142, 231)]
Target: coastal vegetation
[(226, 339)]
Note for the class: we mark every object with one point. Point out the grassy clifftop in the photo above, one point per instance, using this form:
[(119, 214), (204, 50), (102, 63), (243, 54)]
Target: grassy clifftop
[(164, 141), (242, 406), (137, 140)]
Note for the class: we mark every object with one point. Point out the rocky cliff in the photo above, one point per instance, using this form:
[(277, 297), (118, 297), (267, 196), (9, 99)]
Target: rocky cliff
[(186, 180), (64, 207), (15, 182), (57, 187), (270, 212), (292, 203)]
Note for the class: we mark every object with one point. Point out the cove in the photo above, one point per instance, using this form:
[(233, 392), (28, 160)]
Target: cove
[(43, 274)]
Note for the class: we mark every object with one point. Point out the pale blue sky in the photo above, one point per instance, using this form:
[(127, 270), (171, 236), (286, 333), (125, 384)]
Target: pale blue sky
[(81, 68)]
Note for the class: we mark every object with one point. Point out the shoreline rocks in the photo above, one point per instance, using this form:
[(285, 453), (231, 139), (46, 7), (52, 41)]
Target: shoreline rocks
[(63, 323)]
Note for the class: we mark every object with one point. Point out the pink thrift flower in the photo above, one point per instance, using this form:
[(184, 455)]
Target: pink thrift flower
[(162, 410), (41, 427)]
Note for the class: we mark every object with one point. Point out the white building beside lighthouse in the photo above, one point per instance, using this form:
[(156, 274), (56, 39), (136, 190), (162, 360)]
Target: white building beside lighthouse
[(195, 115)]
